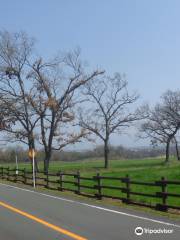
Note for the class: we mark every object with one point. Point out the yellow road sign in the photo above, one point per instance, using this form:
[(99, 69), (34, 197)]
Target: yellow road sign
[(31, 153)]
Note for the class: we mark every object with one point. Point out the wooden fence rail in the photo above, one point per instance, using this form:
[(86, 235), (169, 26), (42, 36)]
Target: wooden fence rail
[(94, 186)]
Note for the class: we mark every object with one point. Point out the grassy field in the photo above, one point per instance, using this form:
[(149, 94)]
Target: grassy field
[(140, 169), (146, 170)]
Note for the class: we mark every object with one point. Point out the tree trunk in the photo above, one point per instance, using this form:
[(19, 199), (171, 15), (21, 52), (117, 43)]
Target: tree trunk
[(106, 154), (36, 164), (46, 161), (177, 150), (167, 151), (168, 143), (46, 165)]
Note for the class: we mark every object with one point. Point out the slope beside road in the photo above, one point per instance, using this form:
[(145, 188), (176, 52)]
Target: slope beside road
[(25, 214)]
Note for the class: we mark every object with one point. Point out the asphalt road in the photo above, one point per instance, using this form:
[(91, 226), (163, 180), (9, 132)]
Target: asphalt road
[(34, 216)]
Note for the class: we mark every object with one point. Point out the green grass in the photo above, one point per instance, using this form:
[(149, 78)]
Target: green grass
[(146, 170)]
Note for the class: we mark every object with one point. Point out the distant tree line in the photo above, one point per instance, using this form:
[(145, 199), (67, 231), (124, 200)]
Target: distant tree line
[(57, 102), (115, 153)]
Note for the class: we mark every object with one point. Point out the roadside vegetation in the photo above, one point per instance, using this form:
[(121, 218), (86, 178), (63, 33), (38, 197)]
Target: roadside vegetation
[(145, 170)]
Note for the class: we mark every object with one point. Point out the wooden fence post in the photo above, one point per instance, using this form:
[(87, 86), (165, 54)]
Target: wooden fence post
[(25, 177), (163, 206), (98, 186), (78, 191), (164, 190), (1, 172), (47, 180), (128, 188), (8, 173), (60, 181)]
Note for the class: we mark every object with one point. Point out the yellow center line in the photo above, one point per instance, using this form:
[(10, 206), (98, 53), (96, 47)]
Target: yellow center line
[(39, 220)]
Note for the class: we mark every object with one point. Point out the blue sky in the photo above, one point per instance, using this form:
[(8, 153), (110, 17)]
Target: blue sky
[(138, 37)]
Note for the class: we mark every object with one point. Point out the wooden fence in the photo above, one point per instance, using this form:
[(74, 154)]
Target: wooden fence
[(94, 187)]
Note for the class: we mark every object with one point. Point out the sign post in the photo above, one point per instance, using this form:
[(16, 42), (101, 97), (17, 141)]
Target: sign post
[(32, 156), (16, 164), (34, 179)]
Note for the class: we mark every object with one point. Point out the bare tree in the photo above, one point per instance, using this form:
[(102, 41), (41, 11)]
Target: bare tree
[(39, 96), (108, 112), (15, 54), (163, 121), (56, 84)]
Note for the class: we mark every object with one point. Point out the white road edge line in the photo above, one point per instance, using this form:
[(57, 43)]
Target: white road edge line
[(93, 206)]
